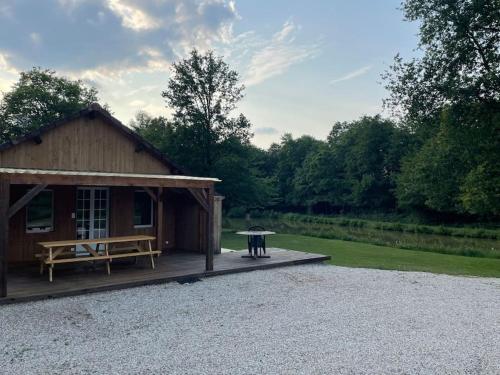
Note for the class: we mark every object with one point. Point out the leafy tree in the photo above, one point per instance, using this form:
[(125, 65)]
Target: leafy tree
[(480, 192), (320, 182), (203, 91), (460, 41), (455, 170), (291, 153), (450, 99), (38, 98), (357, 168), (242, 184)]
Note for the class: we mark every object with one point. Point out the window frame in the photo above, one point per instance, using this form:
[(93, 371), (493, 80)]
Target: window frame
[(38, 229), (139, 226)]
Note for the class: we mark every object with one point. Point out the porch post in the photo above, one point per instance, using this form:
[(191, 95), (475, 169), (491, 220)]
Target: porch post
[(159, 220), (209, 263), (4, 232)]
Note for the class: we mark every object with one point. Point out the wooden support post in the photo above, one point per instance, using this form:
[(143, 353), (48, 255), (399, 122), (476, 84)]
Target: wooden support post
[(209, 261), (159, 220), (4, 232)]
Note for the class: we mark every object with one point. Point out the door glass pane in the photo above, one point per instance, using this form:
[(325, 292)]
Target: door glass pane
[(91, 213)]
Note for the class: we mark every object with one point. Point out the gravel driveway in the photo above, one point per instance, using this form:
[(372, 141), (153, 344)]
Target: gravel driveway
[(314, 319)]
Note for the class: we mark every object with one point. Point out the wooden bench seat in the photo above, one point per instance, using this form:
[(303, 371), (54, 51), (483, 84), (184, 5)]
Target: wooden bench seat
[(136, 254), (76, 259)]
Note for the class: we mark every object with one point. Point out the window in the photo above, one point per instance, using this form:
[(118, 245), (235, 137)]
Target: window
[(143, 209), (40, 213)]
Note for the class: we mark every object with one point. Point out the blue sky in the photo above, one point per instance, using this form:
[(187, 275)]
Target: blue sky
[(305, 64)]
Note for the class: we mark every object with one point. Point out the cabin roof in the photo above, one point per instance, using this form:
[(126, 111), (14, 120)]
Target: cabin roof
[(92, 110)]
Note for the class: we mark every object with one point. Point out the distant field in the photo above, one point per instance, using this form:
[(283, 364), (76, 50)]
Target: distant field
[(468, 241), (356, 254)]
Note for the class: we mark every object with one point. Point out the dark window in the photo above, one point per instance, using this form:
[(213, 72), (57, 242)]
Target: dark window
[(143, 209), (40, 212)]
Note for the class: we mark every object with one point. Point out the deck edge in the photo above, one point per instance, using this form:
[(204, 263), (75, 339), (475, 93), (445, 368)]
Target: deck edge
[(161, 280)]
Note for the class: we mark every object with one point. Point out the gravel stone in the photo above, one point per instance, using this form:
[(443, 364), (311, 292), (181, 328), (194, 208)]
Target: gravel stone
[(312, 319)]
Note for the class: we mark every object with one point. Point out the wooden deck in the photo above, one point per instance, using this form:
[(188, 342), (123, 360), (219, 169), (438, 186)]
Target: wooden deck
[(27, 285)]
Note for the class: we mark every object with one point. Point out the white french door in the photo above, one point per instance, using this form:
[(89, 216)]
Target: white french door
[(92, 212)]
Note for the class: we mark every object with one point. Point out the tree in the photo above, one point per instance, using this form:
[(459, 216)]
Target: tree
[(203, 91), (460, 41), (454, 172), (291, 153), (38, 98), (450, 100), (357, 167), (242, 184), (320, 182)]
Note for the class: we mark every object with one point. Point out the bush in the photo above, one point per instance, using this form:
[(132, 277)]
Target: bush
[(237, 212)]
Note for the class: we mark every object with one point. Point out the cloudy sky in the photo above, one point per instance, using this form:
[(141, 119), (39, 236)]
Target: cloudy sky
[(305, 64)]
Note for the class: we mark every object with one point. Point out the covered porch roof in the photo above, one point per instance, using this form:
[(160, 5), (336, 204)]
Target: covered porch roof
[(63, 177)]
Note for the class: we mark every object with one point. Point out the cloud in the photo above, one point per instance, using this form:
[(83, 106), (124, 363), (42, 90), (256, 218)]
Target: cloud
[(351, 75), (95, 37), (8, 73), (266, 130), (277, 55), (5, 11), (132, 16), (36, 39)]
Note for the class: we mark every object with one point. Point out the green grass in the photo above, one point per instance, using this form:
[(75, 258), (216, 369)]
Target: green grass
[(420, 238), (357, 254)]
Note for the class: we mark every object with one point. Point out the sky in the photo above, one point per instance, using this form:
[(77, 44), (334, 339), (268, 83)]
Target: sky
[(305, 64)]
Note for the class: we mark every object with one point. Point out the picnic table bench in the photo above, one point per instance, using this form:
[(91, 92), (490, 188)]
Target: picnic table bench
[(58, 252)]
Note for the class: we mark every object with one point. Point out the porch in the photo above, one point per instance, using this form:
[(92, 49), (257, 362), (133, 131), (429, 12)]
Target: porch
[(178, 214), (26, 284)]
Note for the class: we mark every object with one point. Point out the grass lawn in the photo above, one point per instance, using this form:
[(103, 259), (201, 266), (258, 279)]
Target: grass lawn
[(357, 254)]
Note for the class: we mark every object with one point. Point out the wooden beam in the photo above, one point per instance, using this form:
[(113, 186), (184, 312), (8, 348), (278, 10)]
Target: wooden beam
[(4, 232), (25, 199), (151, 193), (209, 260), (159, 220), (86, 180), (198, 195)]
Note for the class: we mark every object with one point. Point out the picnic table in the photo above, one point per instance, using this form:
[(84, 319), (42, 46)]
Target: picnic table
[(58, 252), (256, 242)]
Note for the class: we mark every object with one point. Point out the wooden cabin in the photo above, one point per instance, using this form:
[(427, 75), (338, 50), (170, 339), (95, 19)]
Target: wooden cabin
[(90, 176)]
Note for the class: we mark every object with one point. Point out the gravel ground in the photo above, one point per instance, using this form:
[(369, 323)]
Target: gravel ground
[(313, 319)]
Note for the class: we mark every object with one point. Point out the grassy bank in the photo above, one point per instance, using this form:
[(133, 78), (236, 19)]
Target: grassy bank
[(472, 242), (354, 254)]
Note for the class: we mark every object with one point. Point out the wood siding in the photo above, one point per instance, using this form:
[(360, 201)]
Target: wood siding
[(23, 246), (83, 145), (179, 220), (190, 225)]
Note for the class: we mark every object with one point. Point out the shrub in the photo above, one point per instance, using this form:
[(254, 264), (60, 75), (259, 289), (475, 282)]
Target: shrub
[(237, 212)]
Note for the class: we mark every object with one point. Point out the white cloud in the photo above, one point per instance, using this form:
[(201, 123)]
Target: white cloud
[(6, 66), (5, 11), (277, 55), (137, 103), (351, 75), (36, 38), (8, 73), (133, 17)]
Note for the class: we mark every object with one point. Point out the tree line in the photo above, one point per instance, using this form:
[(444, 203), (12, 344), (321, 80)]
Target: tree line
[(437, 154)]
